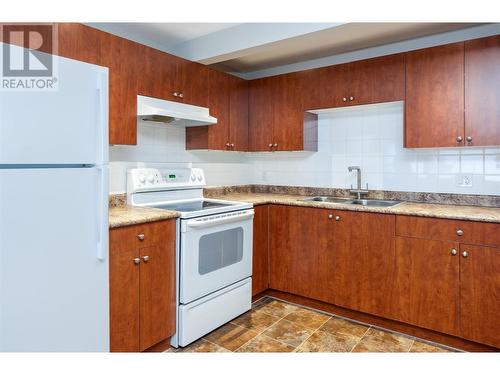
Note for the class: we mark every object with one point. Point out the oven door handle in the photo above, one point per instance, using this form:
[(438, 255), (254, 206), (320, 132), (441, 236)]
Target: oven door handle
[(224, 220)]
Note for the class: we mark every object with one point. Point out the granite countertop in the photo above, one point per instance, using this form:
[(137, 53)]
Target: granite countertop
[(444, 211), (124, 215)]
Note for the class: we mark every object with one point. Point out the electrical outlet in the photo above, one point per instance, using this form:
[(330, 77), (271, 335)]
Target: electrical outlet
[(464, 180)]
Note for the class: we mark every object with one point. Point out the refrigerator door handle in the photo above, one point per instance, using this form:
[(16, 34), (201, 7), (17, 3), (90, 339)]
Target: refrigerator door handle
[(102, 211), (102, 115)]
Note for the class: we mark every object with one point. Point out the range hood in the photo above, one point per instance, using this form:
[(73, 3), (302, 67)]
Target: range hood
[(168, 112)]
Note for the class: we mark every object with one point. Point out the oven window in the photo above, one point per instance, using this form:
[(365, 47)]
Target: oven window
[(220, 249)]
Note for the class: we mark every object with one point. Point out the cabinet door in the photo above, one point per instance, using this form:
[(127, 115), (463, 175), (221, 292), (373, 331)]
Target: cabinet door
[(480, 294), (160, 74), (124, 61), (260, 128), (377, 80), (364, 258), (260, 265), (238, 113), (157, 287), (334, 86), (218, 134), (123, 293), (427, 283), (79, 42), (288, 122), (195, 83), (434, 106), (482, 91), (299, 242)]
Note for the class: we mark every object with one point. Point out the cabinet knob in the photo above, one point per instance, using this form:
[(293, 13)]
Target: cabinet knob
[(337, 218), (330, 216), (175, 94), (453, 252), (181, 95), (228, 145), (460, 232), (270, 145), (275, 145), (459, 139), (469, 139), (465, 254), (141, 236), (145, 258), (232, 145), (344, 99), (137, 260), (351, 98)]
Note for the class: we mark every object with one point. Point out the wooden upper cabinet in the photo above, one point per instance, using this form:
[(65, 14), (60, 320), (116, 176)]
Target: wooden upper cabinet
[(434, 107), (480, 293), (482, 91), (334, 86), (260, 260), (238, 113), (160, 75), (124, 59), (79, 42), (195, 83), (260, 126), (427, 283), (377, 80)]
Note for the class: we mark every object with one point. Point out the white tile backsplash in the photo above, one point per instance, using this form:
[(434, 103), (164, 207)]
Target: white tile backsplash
[(368, 136)]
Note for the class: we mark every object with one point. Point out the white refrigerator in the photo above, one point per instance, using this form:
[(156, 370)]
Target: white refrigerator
[(54, 292)]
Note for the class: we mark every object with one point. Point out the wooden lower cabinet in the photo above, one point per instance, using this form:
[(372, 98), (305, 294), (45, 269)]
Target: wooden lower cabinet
[(427, 283), (260, 264), (480, 294), (142, 285)]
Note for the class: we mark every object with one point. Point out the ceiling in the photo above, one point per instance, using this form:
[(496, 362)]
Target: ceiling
[(255, 49)]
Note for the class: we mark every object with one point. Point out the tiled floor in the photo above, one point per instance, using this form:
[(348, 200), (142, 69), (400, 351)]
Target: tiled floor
[(276, 326)]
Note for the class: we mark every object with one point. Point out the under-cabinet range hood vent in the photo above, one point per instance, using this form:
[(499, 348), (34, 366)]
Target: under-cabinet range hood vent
[(173, 113)]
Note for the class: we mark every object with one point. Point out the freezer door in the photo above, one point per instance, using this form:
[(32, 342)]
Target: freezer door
[(66, 126), (53, 260)]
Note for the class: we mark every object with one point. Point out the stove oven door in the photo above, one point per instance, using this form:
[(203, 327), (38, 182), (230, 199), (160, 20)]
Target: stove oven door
[(216, 251)]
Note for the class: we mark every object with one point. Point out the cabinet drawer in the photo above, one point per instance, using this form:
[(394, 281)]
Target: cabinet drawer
[(449, 230), (141, 235)]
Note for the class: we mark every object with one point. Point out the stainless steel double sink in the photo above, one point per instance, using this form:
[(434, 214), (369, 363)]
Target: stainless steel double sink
[(360, 202)]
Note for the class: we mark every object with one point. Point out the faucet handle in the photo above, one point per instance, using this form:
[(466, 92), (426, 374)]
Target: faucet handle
[(367, 186), (351, 187)]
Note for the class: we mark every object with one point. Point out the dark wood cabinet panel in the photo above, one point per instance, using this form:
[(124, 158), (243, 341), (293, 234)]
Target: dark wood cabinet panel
[(482, 91), (79, 42), (334, 86), (363, 262), (238, 113), (124, 307), (260, 264), (297, 243), (377, 80), (427, 283), (260, 127), (124, 63), (160, 75), (142, 285), (480, 294), (194, 83), (434, 107)]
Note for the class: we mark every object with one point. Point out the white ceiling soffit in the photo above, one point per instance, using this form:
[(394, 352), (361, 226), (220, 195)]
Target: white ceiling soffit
[(332, 41)]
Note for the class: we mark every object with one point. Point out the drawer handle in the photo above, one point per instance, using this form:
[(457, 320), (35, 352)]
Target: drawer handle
[(137, 260), (460, 232), (145, 258), (141, 236)]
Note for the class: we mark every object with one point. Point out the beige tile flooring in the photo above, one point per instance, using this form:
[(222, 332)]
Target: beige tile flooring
[(277, 326)]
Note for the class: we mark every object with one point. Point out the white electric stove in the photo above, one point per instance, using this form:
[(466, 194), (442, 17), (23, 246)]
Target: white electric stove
[(214, 248)]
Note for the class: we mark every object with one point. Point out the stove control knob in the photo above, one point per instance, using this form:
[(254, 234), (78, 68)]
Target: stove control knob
[(200, 177), (193, 178), (151, 178), (142, 178)]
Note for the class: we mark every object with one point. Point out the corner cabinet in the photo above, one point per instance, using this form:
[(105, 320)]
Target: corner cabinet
[(142, 285), (228, 102), (277, 117)]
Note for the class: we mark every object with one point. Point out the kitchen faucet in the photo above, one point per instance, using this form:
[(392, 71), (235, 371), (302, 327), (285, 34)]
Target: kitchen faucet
[(358, 190)]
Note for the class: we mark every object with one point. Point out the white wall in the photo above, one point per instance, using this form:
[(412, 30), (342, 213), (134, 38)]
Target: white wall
[(159, 143), (372, 137), (368, 136)]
